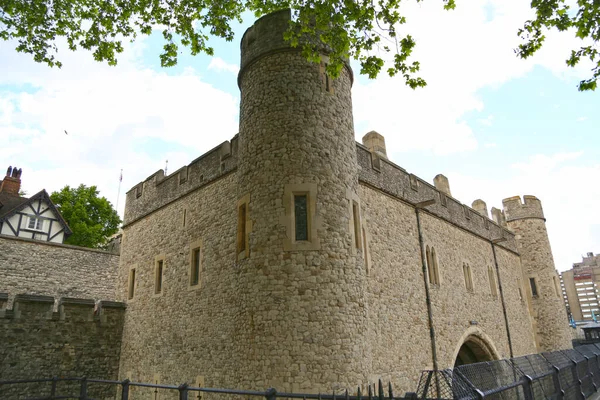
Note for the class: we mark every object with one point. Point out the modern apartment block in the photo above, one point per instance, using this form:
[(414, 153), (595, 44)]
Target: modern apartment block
[(580, 288)]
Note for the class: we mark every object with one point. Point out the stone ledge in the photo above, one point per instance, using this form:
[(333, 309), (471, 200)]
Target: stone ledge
[(76, 301), (62, 245), (112, 304), (33, 298)]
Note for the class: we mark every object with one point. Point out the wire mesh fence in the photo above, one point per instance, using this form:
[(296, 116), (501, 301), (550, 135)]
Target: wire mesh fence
[(561, 375), (572, 374)]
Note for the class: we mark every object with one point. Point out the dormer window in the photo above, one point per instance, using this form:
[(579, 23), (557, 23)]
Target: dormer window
[(35, 223)]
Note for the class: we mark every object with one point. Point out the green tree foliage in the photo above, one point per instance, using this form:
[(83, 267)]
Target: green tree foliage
[(91, 218), (360, 29), (583, 20)]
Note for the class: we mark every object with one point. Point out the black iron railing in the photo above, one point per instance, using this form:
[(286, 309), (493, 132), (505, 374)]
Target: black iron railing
[(79, 389)]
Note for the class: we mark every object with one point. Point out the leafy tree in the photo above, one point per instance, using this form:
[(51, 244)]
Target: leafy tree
[(91, 218), (583, 20), (359, 29)]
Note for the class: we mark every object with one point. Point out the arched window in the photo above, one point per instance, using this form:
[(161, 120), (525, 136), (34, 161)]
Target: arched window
[(434, 264), (468, 277), (492, 278), (432, 270)]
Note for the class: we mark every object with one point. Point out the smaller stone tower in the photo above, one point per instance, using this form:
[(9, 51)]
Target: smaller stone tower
[(375, 143), (526, 220)]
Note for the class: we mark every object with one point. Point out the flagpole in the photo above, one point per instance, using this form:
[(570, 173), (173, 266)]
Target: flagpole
[(119, 191)]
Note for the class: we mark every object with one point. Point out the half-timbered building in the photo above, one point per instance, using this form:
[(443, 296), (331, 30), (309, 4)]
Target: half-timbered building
[(35, 217)]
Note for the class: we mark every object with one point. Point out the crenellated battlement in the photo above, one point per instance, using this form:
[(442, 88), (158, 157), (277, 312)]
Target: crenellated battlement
[(158, 190), (265, 36), (37, 307), (530, 207), (396, 181)]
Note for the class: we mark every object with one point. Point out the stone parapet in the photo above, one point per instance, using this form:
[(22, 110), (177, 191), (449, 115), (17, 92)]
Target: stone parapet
[(76, 340), (397, 182), (530, 207), (159, 190), (374, 170), (57, 270)]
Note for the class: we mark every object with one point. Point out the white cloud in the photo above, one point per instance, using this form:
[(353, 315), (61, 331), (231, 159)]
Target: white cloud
[(490, 145), (581, 119), (460, 52), (487, 121), (564, 182), (116, 117), (218, 64)]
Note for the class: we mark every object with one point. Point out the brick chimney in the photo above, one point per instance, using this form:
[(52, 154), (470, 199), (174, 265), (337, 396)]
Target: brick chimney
[(12, 181)]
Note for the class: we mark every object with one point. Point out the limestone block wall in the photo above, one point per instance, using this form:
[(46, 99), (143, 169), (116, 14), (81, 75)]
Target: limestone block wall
[(520, 321), (53, 269), (80, 339), (396, 285), (398, 329), (185, 333)]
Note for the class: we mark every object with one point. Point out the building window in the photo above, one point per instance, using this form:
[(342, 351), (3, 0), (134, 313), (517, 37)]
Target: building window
[(300, 217), (243, 228), (492, 278), (468, 277), (131, 286), (432, 268), (158, 276), (556, 288), (35, 223), (299, 201), (519, 289), (434, 263), (195, 264), (357, 230), (533, 285), (326, 82)]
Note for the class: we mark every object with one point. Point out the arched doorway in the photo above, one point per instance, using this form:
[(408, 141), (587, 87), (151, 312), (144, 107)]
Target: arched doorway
[(473, 350)]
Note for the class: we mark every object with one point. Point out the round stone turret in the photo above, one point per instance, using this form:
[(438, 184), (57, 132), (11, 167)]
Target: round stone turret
[(302, 279), (526, 220)]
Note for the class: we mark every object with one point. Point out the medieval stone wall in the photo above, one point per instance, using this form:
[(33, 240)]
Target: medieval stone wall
[(80, 339), (53, 269), (187, 332), (398, 329)]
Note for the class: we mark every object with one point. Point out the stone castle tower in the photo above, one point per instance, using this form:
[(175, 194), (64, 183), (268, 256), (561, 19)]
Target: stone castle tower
[(526, 219), (297, 197)]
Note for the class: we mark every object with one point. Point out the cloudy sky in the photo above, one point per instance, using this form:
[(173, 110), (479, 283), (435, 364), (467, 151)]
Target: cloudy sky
[(495, 125)]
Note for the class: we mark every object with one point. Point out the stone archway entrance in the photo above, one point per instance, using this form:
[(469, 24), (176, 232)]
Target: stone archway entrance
[(473, 350)]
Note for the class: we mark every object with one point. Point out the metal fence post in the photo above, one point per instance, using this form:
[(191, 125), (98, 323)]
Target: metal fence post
[(575, 373), (53, 388), (125, 389), (183, 391), (83, 390), (528, 387), (560, 393), (271, 394)]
